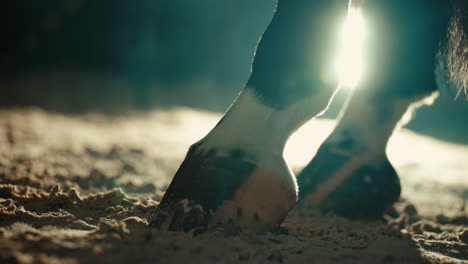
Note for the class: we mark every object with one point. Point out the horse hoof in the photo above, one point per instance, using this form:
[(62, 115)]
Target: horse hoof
[(215, 187), (353, 186)]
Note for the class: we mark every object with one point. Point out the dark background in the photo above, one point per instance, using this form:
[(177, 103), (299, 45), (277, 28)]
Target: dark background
[(120, 55)]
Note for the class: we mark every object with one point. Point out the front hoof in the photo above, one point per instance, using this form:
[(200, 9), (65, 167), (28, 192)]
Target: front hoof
[(215, 188), (349, 186), (183, 215)]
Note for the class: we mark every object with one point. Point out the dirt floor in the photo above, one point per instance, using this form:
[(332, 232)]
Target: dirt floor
[(82, 189)]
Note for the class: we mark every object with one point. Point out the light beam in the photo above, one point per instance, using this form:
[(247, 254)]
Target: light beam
[(349, 63)]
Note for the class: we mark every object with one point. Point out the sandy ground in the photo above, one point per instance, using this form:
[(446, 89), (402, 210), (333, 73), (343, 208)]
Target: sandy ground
[(82, 189)]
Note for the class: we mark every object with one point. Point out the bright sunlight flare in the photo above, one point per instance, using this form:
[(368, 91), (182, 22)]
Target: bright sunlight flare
[(349, 64)]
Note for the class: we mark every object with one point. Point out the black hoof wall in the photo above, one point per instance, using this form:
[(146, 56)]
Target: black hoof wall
[(347, 187), (183, 217)]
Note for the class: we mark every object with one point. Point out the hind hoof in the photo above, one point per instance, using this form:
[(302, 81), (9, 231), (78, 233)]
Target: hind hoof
[(347, 185)]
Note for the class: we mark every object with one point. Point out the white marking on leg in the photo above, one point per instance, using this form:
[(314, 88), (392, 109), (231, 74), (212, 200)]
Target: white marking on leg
[(262, 131), (258, 128), (371, 125)]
